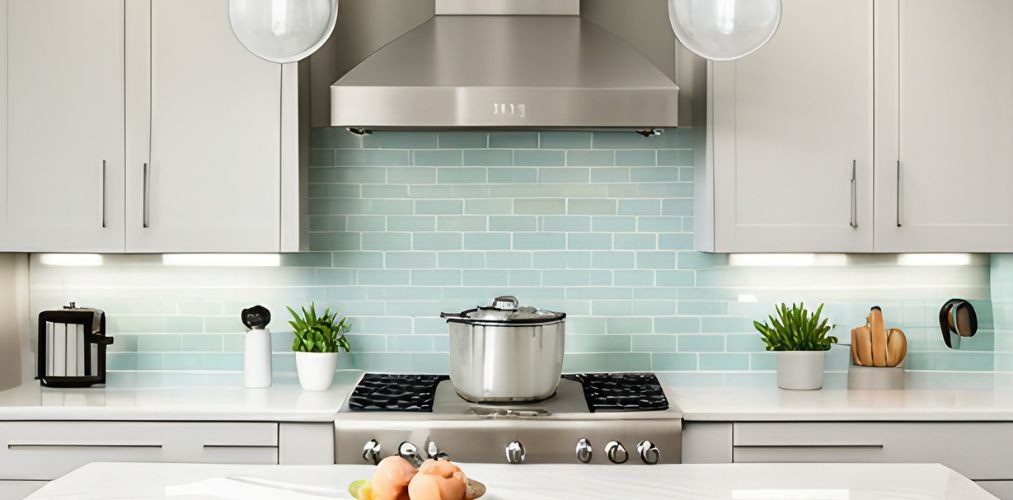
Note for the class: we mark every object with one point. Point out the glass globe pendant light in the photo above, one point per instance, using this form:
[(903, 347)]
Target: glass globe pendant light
[(724, 30), (283, 31)]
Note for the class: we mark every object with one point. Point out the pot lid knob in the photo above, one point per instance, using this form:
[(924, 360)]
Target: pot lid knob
[(505, 303)]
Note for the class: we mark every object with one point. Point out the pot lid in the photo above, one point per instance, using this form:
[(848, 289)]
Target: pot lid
[(505, 309)]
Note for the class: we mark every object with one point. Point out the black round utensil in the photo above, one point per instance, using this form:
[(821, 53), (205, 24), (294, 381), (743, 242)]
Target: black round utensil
[(256, 317), (957, 319)]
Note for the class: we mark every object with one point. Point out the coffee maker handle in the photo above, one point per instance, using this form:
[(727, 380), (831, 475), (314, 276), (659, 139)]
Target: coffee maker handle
[(100, 339)]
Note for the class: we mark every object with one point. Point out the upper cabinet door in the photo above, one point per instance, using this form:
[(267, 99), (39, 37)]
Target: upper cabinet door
[(792, 129), (944, 126), (209, 180), (4, 237), (65, 126)]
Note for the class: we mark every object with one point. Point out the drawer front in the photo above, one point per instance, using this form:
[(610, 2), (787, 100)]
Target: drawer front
[(47, 450), (1001, 489), (18, 490), (976, 450)]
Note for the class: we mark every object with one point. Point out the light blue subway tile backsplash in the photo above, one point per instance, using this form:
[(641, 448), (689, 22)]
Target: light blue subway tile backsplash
[(406, 225), (566, 140)]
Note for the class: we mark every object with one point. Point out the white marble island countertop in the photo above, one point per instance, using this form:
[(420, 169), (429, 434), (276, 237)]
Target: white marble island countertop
[(529, 482), (179, 396), (927, 397)]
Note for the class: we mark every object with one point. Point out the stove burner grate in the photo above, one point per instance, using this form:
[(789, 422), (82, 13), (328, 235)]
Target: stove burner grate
[(385, 392), (621, 392)]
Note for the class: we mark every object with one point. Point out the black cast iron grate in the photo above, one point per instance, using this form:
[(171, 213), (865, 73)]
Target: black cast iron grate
[(385, 392), (621, 392)]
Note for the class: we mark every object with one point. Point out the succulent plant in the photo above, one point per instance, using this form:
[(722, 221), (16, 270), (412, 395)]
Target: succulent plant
[(795, 329), (324, 333)]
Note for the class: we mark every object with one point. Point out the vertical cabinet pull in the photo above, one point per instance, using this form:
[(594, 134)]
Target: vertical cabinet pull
[(103, 194), (854, 194), (898, 195), (145, 208)]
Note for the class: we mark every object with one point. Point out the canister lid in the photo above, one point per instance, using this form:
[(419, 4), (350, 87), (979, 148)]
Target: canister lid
[(505, 310)]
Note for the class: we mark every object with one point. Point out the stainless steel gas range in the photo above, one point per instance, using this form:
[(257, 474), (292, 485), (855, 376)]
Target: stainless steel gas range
[(593, 419)]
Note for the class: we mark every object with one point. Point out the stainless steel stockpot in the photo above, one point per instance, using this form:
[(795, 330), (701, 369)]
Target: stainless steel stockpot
[(505, 352)]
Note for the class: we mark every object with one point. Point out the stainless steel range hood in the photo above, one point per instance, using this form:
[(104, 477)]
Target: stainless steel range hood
[(505, 64)]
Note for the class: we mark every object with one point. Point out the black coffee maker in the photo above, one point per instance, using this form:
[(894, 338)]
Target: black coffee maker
[(72, 347)]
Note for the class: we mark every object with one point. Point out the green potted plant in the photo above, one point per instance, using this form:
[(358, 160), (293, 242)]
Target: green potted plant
[(801, 341), (318, 340)]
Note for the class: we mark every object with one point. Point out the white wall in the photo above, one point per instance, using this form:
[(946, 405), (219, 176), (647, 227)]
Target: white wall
[(15, 350)]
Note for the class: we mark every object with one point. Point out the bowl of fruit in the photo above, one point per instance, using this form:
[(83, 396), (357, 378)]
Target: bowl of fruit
[(397, 479)]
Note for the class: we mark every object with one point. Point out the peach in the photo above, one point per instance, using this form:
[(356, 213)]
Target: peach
[(438, 480), (390, 479)]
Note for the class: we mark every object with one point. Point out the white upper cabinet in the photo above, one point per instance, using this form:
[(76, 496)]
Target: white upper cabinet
[(144, 126), (4, 236), (944, 111), (63, 185), (789, 162), (209, 180)]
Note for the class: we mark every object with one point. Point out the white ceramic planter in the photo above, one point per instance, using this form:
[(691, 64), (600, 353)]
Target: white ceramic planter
[(316, 369), (800, 370)]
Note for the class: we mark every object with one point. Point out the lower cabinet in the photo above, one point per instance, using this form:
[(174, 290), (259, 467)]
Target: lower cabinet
[(1001, 489), (977, 450), (17, 490), (33, 453), (306, 444), (47, 450), (706, 443)]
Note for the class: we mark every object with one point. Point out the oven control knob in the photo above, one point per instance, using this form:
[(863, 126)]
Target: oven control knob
[(648, 452), (515, 453), (433, 451), (371, 452), (616, 452), (584, 451), (409, 452)]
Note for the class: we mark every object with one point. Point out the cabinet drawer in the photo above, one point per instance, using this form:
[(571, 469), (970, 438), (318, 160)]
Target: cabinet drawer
[(976, 450), (47, 450)]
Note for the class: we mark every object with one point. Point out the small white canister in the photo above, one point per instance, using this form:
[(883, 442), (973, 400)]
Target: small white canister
[(257, 354)]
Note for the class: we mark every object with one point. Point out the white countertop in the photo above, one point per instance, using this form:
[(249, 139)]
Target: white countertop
[(701, 397), (179, 396), (927, 397), (538, 482)]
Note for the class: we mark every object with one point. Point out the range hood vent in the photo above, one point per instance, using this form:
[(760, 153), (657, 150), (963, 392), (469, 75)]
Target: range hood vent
[(513, 64)]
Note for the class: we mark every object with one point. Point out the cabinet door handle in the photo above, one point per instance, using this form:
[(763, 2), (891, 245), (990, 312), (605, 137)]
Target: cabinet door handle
[(854, 194), (898, 195), (815, 445), (60, 447), (103, 194), (145, 208)]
